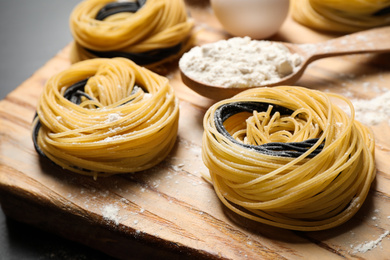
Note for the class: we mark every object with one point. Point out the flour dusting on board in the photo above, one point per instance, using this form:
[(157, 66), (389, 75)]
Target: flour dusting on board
[(376, 243), (370, 245), (110, 212), (373, 111)]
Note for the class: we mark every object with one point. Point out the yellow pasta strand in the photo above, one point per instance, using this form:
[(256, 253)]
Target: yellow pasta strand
[(341, 15), (129, 124), (158, 24), (300, 193)]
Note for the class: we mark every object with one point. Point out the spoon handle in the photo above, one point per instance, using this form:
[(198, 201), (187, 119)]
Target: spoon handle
[(373, 40)]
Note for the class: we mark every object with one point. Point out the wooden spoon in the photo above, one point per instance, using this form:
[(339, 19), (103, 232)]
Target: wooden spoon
[(374, 40)]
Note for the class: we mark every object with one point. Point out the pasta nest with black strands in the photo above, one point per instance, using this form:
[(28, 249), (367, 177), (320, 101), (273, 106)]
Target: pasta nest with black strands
[(149, 32), (288, 157), (106, 116), (344, 16)]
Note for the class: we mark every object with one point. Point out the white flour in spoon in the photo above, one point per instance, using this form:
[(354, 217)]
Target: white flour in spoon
[(239, 62)]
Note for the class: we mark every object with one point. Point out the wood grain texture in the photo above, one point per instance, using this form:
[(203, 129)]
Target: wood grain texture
[(171, 211)]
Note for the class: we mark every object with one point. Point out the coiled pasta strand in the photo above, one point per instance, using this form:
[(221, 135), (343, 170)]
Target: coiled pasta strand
[(117, 118), (266, 168), (158, 31), (343, 16)]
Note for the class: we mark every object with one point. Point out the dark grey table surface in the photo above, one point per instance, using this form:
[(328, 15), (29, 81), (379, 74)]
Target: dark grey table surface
[(31, 33)]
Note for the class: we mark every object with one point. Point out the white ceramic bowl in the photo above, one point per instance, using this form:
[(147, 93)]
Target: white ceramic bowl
[(258, 19)]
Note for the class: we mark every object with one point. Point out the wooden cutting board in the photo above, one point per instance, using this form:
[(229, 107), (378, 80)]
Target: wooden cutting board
[(170, 210)]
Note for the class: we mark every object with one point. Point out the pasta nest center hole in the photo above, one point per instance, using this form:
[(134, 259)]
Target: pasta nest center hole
[(261, 127)]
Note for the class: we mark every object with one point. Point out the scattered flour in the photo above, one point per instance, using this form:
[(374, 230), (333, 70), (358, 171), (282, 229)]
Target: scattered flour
[(110, 212), (239, 62), (362, 248), (373, 111), (178, 167), (112, 138), (112, 117)]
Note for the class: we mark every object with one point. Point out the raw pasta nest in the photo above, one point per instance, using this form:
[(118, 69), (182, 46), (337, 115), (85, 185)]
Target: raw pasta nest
[(148, 32), (106, 116), (288, 157), (343, 16)]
